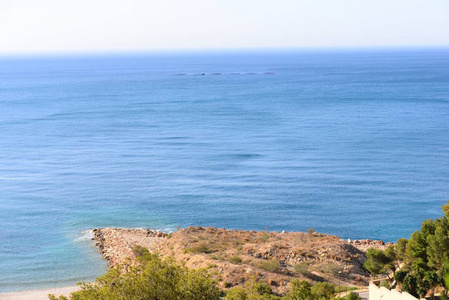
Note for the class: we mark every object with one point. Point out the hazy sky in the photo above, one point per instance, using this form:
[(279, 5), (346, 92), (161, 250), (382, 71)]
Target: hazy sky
[(98, 25)]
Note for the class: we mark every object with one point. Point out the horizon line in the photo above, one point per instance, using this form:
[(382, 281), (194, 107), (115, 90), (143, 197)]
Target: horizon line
[(122, 52)]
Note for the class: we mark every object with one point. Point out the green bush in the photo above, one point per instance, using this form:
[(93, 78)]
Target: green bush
[(350, 296), (253, 290), (142, 254), (271, 265), (310, 230), (236, 293), (199, 248), (261, 288), (303, 290), (379, 261), (153, 279), (302, 269), (235, 260), (332, 268), (323, 290), (353, 296), (264, 238), (300, 290), (342, 288)]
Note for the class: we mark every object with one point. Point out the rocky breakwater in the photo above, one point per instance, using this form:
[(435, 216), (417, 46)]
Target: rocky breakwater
[(116, 244)]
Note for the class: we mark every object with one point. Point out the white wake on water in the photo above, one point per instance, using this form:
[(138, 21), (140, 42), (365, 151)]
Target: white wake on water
[(85, 235)]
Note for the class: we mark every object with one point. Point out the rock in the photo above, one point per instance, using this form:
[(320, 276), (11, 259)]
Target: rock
[(272, 282)]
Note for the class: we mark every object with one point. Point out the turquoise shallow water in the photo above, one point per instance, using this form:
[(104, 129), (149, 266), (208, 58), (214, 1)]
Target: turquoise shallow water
[(350, 143)]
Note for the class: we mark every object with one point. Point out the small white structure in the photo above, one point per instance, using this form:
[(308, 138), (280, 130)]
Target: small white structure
[(382, 293)]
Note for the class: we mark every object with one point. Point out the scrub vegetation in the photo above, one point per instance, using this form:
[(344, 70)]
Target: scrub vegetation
[(417, 265)]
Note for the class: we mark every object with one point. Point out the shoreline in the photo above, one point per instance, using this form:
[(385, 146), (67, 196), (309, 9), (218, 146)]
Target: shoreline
[(39, 294)]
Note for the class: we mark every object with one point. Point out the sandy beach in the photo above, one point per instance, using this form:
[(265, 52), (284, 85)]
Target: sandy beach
[(38, 294)]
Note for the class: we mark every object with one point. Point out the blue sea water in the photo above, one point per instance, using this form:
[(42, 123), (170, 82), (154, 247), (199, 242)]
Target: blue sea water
[(353, 143)]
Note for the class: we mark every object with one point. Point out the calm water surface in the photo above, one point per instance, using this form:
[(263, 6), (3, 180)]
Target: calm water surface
[(349, 143)]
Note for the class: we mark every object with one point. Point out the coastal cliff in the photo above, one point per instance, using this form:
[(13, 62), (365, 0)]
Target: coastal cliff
[(235, 256)]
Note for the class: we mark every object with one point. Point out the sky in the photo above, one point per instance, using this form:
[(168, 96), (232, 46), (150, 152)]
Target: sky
[(31, 26)]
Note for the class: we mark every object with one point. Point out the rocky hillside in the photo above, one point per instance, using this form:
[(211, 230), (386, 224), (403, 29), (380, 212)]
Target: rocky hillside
[(235, 256)]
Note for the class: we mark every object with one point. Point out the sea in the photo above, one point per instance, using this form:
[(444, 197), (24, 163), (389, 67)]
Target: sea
[(350, 142)]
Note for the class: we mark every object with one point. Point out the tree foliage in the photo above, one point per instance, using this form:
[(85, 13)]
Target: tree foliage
[(303, 290), (152, 279), (353, 296), (323, 290), (253, 290), (422, 258), (300, 290), (379, 261)]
